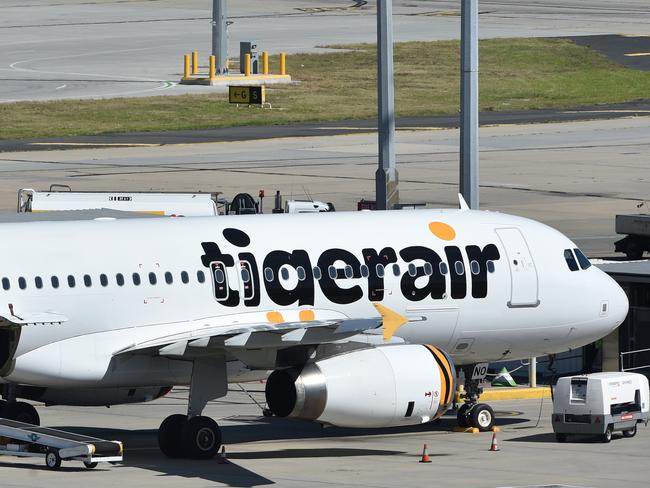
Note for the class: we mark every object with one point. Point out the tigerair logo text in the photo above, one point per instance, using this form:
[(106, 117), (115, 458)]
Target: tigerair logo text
[(424, 276)]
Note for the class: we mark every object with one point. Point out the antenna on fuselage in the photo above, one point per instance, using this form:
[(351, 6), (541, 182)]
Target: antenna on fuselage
[(462, 203)]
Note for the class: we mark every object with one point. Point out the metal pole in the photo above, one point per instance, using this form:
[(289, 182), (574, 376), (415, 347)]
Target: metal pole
[(387, 191), (532, 372), (220, 35), (469, 163)]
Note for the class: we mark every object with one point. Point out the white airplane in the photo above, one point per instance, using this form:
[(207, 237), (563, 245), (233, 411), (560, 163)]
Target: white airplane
[(359, 317)]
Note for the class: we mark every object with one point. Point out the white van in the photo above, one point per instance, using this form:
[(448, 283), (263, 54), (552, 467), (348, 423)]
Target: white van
[(59, 197), (599, 404)]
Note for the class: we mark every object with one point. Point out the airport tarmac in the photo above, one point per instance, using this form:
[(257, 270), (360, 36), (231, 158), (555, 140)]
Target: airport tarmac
[(573, 176), (110, 48), (291, 453)]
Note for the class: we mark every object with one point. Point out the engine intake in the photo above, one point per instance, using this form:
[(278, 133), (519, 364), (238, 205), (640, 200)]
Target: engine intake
[(379, 387)]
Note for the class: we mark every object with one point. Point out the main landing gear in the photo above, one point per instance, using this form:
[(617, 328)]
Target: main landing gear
[(15, 410), (472, 413), (193, 435)]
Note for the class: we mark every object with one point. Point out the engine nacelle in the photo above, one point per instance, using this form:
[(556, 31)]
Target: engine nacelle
[(91, 397), (380, 387)]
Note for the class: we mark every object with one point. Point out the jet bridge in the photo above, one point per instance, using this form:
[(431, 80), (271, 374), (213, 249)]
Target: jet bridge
[(27, 440)]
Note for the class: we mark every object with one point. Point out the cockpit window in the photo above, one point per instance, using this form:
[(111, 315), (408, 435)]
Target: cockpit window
[(582, 259), (570, 260)]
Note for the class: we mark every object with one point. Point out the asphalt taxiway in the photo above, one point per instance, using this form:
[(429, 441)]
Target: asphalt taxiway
[(290, 453)]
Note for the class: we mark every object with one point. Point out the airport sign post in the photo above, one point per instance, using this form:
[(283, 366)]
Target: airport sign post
[(250, 95)]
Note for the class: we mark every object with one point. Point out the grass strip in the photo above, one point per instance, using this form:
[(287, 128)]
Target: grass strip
[(514, 74)]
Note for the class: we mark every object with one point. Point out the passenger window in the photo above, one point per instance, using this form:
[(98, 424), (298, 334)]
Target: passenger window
[(200, 276), (185, 278), (302, 275), (71, 281), (379, 270), (396, 270), (570, 260), (169, 278), (5, 283), (38, 282), (365, 272), (460, 269), (474, 266), (119, 279), (219, 276), (87, 281), (136, 279), (245, 275), (582, 259), (412, 270), (332, 272), (152, 278), (268, 274), (103, 279), (54, 280), (428, 269), (22, 283), (284, 273), (443, 268), (317, 273), (490, 266), (349, 273)]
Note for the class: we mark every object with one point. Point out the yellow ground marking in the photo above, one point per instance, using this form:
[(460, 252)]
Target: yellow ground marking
[(634, 55), (82, 144), (392, 320), (468, 430)]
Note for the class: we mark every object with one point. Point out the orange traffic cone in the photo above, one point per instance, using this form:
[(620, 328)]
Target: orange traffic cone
[(221, 457), (425, 455), (494, 446)]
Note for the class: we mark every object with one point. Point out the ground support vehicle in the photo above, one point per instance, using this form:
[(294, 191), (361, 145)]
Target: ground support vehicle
[(27, 440), (600, 404)]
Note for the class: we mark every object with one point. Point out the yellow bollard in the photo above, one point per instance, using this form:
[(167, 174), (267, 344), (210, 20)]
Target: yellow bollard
[(265, 63), (195, 62), (247, 65), (283, 64), (213, 69), (186, 67)]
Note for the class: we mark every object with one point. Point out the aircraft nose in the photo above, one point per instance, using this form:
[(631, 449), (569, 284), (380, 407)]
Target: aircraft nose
[(618, 303)]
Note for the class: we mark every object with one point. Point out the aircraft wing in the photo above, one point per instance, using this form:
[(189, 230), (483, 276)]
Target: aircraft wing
[(37, 318), (256, 344)]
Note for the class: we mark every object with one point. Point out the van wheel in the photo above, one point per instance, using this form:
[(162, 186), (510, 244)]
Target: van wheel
[(607, 436), (630, 432), (560, 437)]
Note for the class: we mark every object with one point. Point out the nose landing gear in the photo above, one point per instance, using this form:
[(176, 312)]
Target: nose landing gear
[(472, 413)]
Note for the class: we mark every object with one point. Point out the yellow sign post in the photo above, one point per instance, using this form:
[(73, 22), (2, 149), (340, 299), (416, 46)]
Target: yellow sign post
[(250, 95)]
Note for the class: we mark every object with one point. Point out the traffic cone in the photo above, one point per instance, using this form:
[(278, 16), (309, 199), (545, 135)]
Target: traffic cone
[(425, 455), (221, 457), (494, 446)]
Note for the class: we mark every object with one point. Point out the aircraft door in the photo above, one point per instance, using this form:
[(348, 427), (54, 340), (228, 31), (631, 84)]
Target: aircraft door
[(247, 282), (524, 291)]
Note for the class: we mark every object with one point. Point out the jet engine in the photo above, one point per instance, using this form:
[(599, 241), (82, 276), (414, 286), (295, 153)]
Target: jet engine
[(91, 397), (379, 387)]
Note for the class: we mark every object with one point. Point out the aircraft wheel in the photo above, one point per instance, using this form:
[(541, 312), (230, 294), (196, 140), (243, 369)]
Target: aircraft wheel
[(201, 438), (52, 459), (461, 416), (630, 432), (22, 412), (482, 416), (170, 435)]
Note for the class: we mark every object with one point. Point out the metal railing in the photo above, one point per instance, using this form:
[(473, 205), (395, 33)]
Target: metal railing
[(623, 355)]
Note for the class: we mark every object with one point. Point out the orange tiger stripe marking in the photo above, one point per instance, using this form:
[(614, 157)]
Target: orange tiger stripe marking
[(443, 360), (307, 315), (274, 317)]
